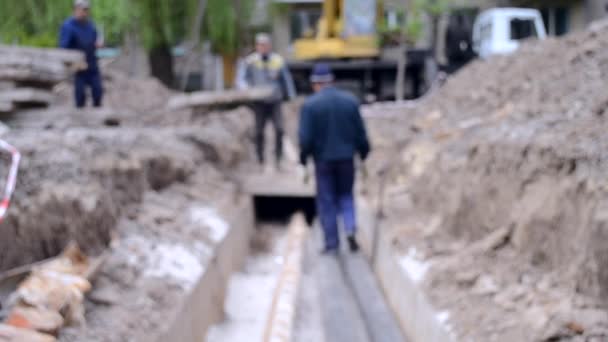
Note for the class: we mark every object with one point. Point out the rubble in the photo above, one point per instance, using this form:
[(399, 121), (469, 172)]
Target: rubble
[(45, 67), (28, 75)]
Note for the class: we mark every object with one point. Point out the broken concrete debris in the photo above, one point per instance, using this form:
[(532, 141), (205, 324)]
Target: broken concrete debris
[(28, 75)]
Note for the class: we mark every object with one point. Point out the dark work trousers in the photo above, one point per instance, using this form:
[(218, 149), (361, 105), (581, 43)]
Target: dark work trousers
[(263, 113), (91, 79), (335, 181)]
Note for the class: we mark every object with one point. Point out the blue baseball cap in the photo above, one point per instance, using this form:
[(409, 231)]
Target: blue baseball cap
[(321, 73)]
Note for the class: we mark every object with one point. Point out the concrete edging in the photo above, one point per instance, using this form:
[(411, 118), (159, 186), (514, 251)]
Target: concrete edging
[(416, 316), (204, 306)]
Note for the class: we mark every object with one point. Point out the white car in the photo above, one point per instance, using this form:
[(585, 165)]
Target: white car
[(500, 30)]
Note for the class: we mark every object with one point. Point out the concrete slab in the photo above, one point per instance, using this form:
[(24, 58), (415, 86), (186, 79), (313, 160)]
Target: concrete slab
[(278, 184), (219, 99)]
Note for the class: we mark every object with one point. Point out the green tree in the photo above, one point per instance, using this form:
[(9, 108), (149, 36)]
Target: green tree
[(435, 9), (227, 23), (161, 24), (37, 23), (409, 35)]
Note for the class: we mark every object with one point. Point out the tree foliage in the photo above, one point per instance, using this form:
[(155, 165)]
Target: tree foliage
[(19, 26), (37, 23), (435, 7), (162, 22), (226, 22), (158, 22)]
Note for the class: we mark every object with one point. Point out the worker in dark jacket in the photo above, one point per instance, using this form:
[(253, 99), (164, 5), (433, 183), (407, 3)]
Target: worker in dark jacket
[(264, 68), (79, 33), (332, 131)]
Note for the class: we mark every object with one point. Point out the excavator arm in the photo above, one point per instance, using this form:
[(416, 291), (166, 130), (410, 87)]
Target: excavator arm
[(331, 42)]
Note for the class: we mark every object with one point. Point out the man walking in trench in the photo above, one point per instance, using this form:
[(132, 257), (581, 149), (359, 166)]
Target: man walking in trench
[(264, 68), (332, 132)]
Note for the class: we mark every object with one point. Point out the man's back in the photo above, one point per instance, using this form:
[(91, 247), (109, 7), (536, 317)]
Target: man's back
[(331, 127)]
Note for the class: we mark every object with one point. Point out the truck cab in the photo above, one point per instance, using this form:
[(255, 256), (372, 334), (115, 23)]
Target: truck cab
[(499, 31)]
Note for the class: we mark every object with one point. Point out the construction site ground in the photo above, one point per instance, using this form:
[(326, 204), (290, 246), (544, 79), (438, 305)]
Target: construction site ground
[(482, 218)]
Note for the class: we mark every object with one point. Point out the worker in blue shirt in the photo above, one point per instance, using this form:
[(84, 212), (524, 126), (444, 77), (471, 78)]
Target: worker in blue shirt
[(332, 132), (79, 33)]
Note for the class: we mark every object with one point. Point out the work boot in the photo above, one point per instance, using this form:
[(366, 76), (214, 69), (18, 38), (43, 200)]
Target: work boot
[(353, 244)]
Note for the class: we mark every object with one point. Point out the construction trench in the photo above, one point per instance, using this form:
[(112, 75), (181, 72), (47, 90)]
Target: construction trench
[(184, 237), (483, 217)]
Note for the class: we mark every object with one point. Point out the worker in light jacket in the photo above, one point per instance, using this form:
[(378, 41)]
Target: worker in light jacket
[(264, 68), (332, 132), (79, 33)]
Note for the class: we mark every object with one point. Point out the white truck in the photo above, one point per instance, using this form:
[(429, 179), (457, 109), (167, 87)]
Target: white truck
[(499, 30)]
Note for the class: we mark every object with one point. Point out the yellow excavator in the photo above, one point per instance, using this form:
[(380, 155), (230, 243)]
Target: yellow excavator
[(347, 29), (347, 38)]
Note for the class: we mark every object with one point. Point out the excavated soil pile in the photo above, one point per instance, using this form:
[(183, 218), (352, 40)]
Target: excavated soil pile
[(496, 192)]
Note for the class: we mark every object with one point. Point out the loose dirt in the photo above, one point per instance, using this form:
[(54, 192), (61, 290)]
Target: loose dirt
[(495, 185)]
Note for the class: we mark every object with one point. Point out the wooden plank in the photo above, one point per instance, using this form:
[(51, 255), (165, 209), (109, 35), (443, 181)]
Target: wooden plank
[(62, 55), (279, 184), (224, 99), (25, 96)]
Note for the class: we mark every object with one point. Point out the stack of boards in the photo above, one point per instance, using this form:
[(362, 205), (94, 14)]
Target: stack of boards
[(28, 75)]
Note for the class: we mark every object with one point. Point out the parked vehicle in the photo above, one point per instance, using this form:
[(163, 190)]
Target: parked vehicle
[(499, 31)]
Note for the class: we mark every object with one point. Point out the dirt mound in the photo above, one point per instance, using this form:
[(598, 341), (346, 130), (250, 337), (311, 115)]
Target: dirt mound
[(123, 93), (496, 181)]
